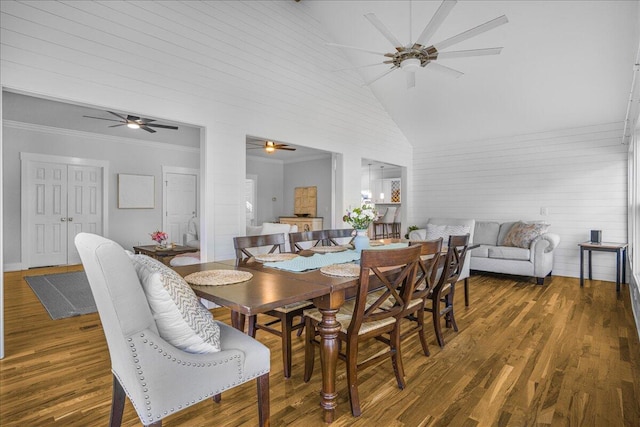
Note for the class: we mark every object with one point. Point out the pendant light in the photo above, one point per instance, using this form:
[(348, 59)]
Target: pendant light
[(382, 183)]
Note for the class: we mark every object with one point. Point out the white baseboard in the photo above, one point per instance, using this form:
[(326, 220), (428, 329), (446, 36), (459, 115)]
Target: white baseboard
[(16, 266)]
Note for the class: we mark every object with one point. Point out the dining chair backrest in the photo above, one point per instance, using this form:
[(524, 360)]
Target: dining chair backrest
[(273, 242), (340, 233), (454, 259), (316, 238), (394, 272), (431, 252), (389, 216)]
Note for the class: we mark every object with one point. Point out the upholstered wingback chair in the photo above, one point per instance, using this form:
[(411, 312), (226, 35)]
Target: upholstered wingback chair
[(158, 378)]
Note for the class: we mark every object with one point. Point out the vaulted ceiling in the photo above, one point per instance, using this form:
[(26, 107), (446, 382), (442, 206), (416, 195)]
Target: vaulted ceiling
[(564, 64)]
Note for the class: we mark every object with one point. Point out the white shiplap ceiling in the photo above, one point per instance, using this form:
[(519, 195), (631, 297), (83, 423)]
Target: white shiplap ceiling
[(564, 64)]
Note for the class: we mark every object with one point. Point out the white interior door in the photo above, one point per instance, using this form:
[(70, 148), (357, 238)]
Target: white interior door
[(62, 201), (180, 201), (47, 214), (84, 205)]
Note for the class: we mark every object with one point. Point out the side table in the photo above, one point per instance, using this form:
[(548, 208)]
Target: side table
[(163, 255), (621, 256)]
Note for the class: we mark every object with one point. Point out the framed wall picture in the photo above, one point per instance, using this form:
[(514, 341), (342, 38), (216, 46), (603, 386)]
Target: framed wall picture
[(136, 191)]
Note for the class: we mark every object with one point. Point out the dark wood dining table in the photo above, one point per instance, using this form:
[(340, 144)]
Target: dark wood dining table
[(270, 288)]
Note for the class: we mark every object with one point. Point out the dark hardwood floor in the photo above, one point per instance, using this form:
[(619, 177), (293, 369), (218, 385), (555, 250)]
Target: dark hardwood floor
[(525, 355)]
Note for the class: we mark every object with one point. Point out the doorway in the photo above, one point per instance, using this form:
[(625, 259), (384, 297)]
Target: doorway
[(180, 201), (60, 197)]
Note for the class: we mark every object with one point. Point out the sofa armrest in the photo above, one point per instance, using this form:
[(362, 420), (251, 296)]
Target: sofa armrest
[(542, 253), (549, 241)]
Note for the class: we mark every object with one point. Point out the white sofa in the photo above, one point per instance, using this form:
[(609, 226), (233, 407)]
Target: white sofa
[(495, 254)]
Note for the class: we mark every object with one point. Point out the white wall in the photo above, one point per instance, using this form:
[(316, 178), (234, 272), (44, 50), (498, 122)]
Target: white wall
[(270, 175), (310, 173), (236, 68), (128, 227), (579, 175)]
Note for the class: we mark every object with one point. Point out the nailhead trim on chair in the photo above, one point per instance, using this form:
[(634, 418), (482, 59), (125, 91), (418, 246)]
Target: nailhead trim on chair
[(165, 354)]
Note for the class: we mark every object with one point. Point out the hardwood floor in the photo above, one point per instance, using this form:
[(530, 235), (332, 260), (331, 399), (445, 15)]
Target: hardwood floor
[(525, 355)]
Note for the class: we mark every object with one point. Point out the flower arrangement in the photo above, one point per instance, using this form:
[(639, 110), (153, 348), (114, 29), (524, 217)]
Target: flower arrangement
[(159, 236), (360, 218)]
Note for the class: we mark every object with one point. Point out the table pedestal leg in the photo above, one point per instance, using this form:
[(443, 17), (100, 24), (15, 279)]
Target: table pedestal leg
[(328, 329)]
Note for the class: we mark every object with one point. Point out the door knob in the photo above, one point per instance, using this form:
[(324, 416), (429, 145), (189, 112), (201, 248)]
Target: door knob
[(70, 219), (63, 219)]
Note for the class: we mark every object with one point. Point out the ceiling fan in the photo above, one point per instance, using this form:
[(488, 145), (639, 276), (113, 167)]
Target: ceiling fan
[(415, 55), (134, 122), (271, 147)]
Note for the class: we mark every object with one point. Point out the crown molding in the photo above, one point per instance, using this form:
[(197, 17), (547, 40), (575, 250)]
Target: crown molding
[(96, 137)]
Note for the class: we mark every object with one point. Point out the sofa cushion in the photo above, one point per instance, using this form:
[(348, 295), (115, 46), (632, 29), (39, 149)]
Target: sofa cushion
[(436, 231), (507, 252), (180, 317), (522, 234), (481, 251), (486, 233)]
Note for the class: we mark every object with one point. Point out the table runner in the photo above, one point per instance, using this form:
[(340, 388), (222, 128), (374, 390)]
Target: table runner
[(317, 261)]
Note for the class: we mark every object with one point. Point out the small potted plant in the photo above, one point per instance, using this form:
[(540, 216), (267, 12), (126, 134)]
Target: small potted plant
[(160, 237), (410, 229), (360, 218)]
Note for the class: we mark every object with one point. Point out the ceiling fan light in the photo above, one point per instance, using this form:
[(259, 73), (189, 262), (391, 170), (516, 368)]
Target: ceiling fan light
[(410, 64), (133, 125)]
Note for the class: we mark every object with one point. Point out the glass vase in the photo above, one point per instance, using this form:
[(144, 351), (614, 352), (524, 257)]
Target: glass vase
[(361, 241)]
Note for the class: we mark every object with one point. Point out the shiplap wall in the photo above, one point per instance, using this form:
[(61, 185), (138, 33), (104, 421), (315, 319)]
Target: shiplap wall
[(233, 67), (579, 175)]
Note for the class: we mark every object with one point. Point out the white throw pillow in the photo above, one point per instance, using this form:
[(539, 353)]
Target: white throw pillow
[(181, 319)]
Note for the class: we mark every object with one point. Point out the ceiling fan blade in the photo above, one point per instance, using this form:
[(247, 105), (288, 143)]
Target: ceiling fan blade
[(380, 76), (411, 79), (145, 121), (471, 33), (354, 48), (445, 70), (159, 126), (383, 29), (472, 52), (437, 20), (102, 118), (115, 126), (147, 128), (285, 148), (117, 115)]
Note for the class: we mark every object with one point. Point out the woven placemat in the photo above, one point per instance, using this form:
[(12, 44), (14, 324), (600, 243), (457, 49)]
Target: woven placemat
[(341, 270), (327, 249), (275, 257), (375, 243), (217, 277)]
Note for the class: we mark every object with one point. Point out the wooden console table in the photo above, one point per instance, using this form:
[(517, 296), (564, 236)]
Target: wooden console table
[(163, 255), (621, 259)]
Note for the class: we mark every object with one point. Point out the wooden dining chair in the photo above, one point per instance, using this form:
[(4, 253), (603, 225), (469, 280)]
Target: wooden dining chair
[(426, 281), (370, 315), (340, 233), (313, 238), (283, 315), (444, 290)]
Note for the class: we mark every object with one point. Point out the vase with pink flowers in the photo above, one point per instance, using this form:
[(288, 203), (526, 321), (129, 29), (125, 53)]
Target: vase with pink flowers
[(160, 237)]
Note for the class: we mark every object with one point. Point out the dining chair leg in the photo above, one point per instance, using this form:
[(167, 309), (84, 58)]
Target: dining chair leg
[(352, 378), (287, 324), (437, 327), (309, 351), (252, 325), (396, 356), (421, 335), (466, 292), (263, 400), (117, 404)]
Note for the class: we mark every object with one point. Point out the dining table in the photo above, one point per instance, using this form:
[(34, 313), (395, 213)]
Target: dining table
[(270, 287)]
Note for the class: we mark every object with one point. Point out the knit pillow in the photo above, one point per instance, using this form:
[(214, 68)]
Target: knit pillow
[(436, 231), (181, 319), (522, 234)]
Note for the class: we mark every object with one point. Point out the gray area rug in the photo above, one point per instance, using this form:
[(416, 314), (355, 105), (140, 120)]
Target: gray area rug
[(63, 295)]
